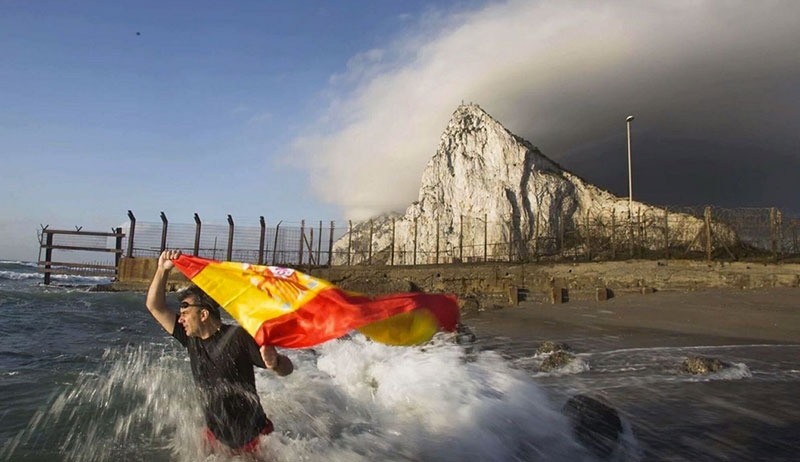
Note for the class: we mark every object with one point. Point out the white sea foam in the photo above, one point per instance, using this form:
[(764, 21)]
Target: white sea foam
[(62, 279), (576, 366), (17, 276), (79, 280), (735, 371), (366, 401), (19, 262), (351, 400)]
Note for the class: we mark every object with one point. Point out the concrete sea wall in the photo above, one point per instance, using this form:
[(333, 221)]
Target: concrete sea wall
[(482, 284)]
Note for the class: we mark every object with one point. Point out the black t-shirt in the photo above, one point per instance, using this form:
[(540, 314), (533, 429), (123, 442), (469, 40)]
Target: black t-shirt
[(222, 366)]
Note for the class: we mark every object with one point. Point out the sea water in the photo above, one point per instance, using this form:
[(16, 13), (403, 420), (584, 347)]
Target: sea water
[(90, 376)]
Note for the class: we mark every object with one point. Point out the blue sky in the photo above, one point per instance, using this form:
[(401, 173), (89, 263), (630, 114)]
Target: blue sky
[(326, 110), (176, 106)]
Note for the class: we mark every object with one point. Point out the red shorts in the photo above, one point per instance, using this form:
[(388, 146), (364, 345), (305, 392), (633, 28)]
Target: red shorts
[(248, 448)]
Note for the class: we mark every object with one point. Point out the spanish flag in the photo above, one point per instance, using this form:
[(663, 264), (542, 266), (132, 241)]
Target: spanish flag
[(284, 307)]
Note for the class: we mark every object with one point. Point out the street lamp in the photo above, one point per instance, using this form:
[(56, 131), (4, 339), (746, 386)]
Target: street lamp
[(630, 176)]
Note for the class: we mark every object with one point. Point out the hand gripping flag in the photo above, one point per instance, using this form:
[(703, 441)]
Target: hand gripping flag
[(284, 307)]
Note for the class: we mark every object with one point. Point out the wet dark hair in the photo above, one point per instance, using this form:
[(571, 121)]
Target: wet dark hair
[(203, 299)]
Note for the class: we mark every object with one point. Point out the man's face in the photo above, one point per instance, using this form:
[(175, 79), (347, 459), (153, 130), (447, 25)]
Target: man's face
[(192, 315)]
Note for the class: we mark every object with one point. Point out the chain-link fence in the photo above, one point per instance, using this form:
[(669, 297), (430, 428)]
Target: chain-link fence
[(707, 233), (288, 244)]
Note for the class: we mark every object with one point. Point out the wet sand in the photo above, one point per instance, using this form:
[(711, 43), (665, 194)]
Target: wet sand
[(674, 417), (742, 316)]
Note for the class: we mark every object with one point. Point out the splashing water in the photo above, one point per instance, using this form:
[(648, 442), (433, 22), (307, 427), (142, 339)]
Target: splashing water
[(348, 400), (139, 402)]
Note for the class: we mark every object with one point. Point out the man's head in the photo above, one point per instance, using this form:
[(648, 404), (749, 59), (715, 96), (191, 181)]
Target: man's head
[(198, 312)]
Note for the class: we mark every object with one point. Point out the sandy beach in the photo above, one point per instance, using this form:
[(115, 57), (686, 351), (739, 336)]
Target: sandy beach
[(764, 315)]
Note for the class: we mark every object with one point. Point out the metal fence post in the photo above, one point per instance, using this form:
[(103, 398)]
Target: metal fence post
[(461, 240), (310, 243), (631, 234), (164, 224), (485, 237), (197, 225), (780, 233), (666, 231), (415, 241), (773, 244), (369, 252), (261, 237), (640, 228), (319, 245), (588, 237), (229, 254), (707, 218), (537, 220), (510, 240), (275, 243), (302, 237), (118, 248), (330, 245), (437, 240), (561, 232), (775, 228), (349, 241), (48, 255), (131, 229), (393, 235)]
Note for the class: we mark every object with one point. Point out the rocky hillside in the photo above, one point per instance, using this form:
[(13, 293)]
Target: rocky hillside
[(487, 185)]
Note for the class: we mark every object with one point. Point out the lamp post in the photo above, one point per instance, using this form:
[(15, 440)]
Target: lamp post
[(630, 176)]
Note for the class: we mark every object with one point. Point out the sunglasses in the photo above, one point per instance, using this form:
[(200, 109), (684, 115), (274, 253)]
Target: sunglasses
[(185, 305)]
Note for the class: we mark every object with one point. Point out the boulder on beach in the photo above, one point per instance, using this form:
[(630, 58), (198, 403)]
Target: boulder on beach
[(556, 360), (464, 335), (549, 346), (702, 365)]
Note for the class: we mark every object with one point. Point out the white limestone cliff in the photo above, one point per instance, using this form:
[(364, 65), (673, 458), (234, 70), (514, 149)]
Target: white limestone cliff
[(488, 194)]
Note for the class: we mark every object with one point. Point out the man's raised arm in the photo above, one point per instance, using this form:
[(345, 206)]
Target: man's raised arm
[(156, 294)]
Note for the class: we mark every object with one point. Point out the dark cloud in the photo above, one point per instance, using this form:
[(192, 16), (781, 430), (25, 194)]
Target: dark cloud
[(691, 172), (713, 86)]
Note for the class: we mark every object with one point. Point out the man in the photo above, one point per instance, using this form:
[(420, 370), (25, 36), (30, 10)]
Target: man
[(222, 357)]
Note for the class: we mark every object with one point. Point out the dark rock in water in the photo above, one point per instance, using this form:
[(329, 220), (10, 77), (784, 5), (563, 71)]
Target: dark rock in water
[(702, 365), (464, 335), (556, 360), (596, 424), (549, 347)]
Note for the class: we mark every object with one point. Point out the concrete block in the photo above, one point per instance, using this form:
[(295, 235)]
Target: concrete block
[(602, 294), (559, 295), (513, 296), (522, 294)]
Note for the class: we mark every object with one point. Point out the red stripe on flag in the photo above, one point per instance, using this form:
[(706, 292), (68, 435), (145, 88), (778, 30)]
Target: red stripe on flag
[(332, 314), (191, 266)]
